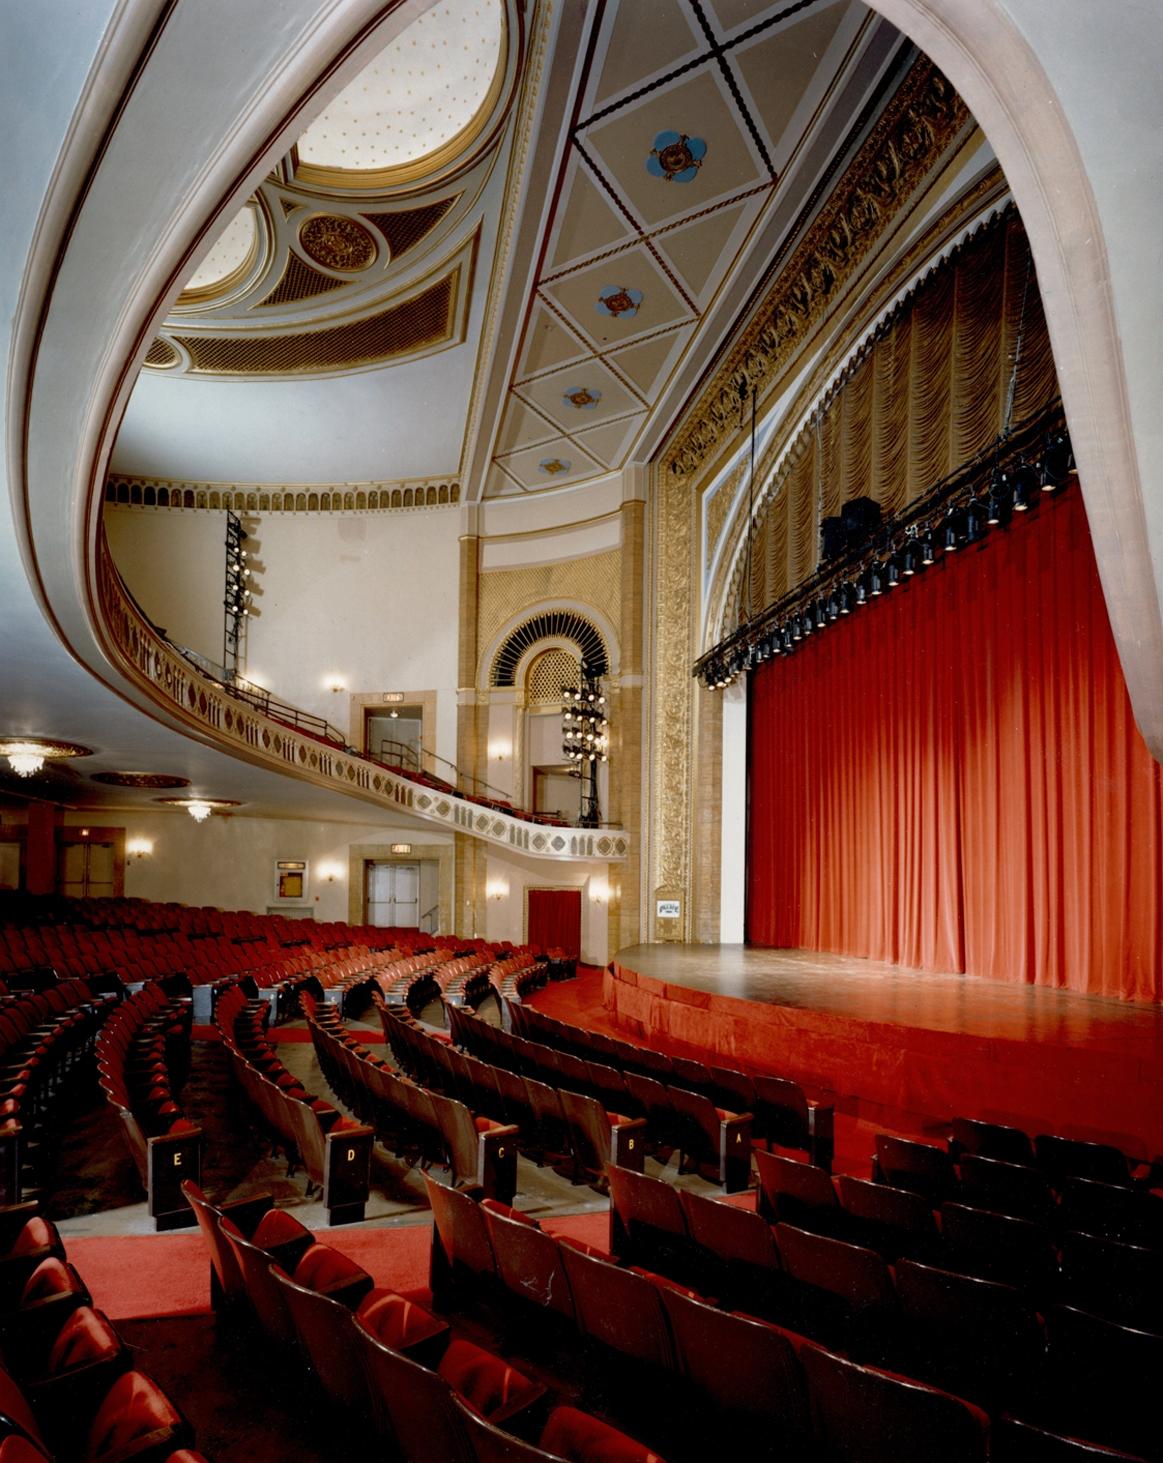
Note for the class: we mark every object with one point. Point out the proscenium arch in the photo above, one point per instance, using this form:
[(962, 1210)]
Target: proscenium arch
[(1087, 195)]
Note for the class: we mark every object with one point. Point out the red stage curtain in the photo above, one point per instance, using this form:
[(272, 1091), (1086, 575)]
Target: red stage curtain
[(951, 778), (555, 920)]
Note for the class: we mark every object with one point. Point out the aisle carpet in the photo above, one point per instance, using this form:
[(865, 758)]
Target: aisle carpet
[(148, 1275)]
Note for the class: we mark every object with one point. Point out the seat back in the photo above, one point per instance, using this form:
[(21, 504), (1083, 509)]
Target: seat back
[(462, 1251), (528, 1261), (999, 1247), (917, 1166), (733, 1235), (746, 1372), (1012, 1441), (411, 1406), (864, 1415), (1095, 1380), (1006, 1188), (325, 1330), (893, 1221), (135, 1411), (226, 1274), (266, 1299), (990, 1140), (1134, 1216), (857, 1275), (796, 1193), (1122, 1282), (647, 1221), (617, 1308), (1072, 1158), (781, 1111), (978, 1338)]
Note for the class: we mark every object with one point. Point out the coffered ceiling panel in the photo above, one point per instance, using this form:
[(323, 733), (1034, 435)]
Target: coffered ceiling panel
[(648, 363), (523, 427), (589, 222), (609, 442), (677, 150), (777, 70), (619, 299), (695, 250), (555, 462), (580, 398), (548, 343), (670, 187), (647, 36)]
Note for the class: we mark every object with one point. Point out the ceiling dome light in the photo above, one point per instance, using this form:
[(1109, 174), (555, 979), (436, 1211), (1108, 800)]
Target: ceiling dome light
[(200, 808), (27, 755), (199, 811), (26, 763)]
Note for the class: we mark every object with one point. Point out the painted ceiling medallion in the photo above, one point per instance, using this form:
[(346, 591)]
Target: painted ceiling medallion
[(140, 779), (337, 242), (554, 466), (675, 157), (617, 299), (581, 397)]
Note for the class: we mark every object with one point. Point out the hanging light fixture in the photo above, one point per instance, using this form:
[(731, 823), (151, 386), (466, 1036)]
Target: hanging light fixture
[(27, 755), (200, 808)]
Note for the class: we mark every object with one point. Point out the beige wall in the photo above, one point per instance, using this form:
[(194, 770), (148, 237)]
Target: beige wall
[(229, 861), (367, 599)]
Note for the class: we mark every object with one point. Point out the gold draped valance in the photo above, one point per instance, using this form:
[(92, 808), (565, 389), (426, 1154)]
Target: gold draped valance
[(924, 397)]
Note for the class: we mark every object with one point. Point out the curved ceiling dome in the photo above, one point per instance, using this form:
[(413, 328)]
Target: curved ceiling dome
[(229, 256), (421, 101)]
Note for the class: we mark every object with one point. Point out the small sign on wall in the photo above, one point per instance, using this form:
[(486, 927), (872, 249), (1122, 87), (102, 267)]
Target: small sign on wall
[(668, 908), (291, 879)]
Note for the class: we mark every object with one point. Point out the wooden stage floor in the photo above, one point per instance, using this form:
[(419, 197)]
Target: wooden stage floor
[(887, 1039)]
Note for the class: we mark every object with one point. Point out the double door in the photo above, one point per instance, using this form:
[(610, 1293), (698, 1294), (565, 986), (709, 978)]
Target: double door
[(393, 894)]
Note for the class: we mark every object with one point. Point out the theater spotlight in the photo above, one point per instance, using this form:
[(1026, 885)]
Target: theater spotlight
[(909, 562), (952, 532), (976, 517), (1025, 485), (892, 572), (876, 581), (1057, 461), (928, 552)]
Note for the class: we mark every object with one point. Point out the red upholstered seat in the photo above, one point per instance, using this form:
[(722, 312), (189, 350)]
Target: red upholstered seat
[(14, 1405), (328, 1272), (402, 1324), (487, 1383), (135, 1417), (85, 1339), (579, 1438), (16, 1449)]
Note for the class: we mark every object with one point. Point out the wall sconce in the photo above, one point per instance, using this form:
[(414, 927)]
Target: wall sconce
[(599, 891), (139, 848), (497, 889), (330, 872), (500, 751), (335, 682)]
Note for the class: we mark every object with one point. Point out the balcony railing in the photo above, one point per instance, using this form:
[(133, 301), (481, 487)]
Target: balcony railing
[(257, 729)]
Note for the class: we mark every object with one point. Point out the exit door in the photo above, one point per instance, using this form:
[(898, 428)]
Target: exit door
[(393, 894), (88, 869)]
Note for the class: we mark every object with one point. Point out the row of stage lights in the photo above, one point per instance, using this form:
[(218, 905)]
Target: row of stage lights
[(900, 555), (237, 599)]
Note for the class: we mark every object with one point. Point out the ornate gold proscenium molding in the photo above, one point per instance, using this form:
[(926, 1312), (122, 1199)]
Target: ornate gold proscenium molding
[(917, 126), (202, 704)]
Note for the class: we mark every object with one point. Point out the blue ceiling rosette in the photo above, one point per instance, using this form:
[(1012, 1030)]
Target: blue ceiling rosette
[(617, 299), (675, 157), (581, 398)]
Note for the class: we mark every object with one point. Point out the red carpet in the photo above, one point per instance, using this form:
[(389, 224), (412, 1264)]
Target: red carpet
[(146, 1275)]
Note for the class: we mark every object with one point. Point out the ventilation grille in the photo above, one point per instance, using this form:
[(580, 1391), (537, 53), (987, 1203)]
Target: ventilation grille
[(555, 625), (424, 321), (404, 230), (162, 355), (549, 673), (299, 282)]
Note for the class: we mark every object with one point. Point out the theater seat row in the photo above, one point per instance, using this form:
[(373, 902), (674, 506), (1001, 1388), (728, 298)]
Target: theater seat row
[(573, 1131), (334, 1150), (766, 1386), (70, 1391), (390, 1367), (781, 1111), (714, 1140), (143, 1058), (416, 1124)]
